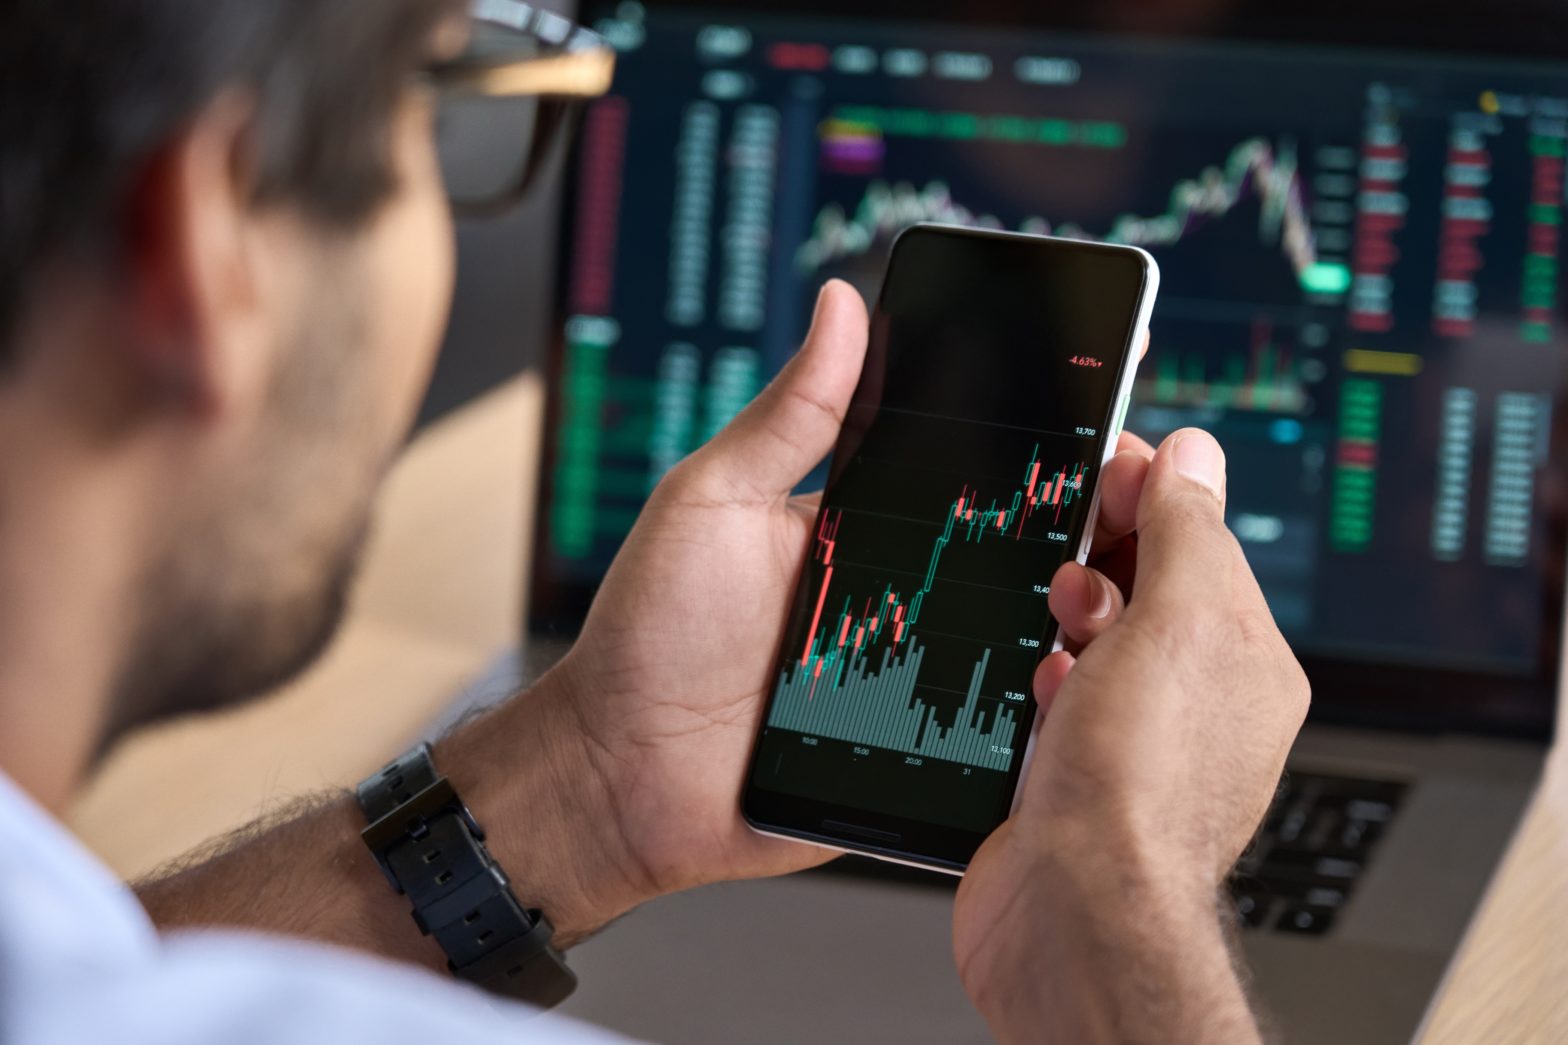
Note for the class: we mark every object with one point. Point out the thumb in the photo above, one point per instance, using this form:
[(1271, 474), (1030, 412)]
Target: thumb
[(792, 425), (1184, 549)]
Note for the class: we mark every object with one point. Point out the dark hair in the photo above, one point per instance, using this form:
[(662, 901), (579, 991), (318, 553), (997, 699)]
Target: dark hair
[(90, 90)]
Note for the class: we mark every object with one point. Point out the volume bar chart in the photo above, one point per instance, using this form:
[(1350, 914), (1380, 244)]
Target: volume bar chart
[(857, 675), (879, 707)]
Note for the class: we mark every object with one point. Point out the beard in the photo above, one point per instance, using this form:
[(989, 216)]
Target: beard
[(253, 581), (211, 651)]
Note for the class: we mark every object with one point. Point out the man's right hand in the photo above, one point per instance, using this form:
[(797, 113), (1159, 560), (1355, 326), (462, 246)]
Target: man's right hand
[(1093, 913)]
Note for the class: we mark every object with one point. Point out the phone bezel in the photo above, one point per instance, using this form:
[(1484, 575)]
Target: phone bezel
[(921, 843)]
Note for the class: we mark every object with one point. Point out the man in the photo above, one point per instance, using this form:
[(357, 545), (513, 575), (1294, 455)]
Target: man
[(225, 261)]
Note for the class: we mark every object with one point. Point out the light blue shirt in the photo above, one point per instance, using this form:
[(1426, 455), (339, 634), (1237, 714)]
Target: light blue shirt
[(81, 962)]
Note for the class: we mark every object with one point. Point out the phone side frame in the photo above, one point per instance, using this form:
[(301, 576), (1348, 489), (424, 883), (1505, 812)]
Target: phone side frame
[(1136, 350), (805, 838)]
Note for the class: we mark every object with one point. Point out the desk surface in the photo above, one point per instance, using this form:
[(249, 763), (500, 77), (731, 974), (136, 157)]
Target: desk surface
[(439, 597)]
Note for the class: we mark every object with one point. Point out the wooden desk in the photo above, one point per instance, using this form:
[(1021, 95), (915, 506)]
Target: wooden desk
[(440, 596)]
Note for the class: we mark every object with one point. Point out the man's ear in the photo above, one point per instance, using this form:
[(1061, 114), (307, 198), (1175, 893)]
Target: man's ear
[(199, 292)]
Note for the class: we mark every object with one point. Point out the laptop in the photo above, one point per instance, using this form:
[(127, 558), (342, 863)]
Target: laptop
[(1357, 213)]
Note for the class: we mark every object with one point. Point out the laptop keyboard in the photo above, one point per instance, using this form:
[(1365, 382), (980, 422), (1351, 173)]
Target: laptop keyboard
[(1319, 836)]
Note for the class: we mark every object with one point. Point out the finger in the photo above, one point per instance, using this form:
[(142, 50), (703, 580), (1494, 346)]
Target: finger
[(1184, 548), (1117, 561), (792, 425), (1132, 442), (1049, 676), (1121, 487), (1143, 349), (1084, 602)]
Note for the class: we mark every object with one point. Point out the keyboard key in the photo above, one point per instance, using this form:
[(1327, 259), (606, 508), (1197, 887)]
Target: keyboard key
[(1253, 906), (1306, 920), (1285, 886), (1306, 864), (1389, 791), (1354, 838), (1336, 867), (1324, 897), (1292, 825), (1314, 843), (1362, 809)]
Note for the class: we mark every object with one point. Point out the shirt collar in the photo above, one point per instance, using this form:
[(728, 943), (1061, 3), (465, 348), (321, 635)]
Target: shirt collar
[(59, 905)]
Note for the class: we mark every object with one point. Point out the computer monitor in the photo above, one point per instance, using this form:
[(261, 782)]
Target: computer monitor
[(1358, 218)]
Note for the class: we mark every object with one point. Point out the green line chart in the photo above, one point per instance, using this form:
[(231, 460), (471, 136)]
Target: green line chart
[(1255, 168)]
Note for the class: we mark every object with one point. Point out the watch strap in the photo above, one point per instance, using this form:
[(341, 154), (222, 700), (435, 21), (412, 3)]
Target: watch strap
[(431, 849)]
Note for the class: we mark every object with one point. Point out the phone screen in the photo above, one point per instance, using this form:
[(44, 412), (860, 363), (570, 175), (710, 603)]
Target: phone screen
[(963, 477)]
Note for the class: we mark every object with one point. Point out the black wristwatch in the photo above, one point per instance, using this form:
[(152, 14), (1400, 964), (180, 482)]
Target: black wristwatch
[(430, 849)]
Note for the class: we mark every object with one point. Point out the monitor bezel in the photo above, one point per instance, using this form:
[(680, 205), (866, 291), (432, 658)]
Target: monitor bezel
[(1403, 695)]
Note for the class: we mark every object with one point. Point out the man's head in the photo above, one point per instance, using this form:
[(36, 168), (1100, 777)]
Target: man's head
[(225, 262)]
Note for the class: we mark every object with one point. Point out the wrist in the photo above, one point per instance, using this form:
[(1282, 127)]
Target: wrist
[(1092, 863), (524, 772), (1103, 943)]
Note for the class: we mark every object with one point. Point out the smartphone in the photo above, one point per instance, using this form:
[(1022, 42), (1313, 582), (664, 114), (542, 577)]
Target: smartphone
[(996, 380)]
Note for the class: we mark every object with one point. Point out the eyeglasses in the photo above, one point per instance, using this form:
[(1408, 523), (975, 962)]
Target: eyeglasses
[(508, 99)]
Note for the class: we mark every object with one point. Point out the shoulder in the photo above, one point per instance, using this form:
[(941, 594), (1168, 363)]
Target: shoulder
[(242, 988)]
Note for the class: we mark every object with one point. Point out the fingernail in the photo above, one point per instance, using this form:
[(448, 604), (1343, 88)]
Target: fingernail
[(1102, 600), (1198, 457)]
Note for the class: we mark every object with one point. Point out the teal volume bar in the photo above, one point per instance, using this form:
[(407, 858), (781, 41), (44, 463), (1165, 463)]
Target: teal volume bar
[(879, 708)]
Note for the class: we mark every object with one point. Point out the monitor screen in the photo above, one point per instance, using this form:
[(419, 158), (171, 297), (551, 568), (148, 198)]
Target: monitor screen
[(1361, 288)]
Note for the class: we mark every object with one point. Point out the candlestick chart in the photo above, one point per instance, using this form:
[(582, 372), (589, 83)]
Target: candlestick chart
[(864, 673)]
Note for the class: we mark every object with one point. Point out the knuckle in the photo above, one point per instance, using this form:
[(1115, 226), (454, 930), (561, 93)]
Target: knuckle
[(812, 409), (701, 478), (684, 472), (1228, 546), (692, 472), (1186, 526), (1257, 627), (1173, 633), (1187, 502), (1175, 521), (1299, 688)]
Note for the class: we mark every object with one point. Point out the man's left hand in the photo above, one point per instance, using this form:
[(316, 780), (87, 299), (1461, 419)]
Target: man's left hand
[(664, 687)]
